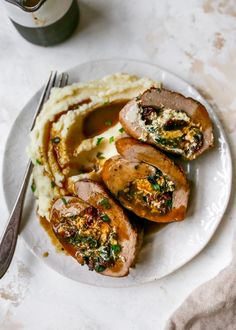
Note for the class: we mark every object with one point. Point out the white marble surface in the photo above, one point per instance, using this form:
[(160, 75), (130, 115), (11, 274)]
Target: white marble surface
[(194, 39)]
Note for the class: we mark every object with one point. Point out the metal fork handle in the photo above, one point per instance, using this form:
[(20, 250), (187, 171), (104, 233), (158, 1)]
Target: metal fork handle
[(9, 239)]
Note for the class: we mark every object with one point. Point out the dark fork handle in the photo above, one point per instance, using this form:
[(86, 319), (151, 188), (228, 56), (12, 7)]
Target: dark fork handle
[(9, 239)]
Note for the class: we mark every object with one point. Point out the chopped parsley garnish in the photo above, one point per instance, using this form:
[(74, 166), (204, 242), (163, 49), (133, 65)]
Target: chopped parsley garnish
[(53, 184), (105, 203), (161, 140), (106, 102), (121, 130), (174, 143), (100, 268), (96, 250), (39, 162), (108, 122), (156, 186), (153, 182), (116, 248), (56, 140), (64, 201), (144, 198), (105, 218), (100, 155), (33, 186), (111, 139), (92, 242), (151, 130), (77, 239), (74, 216), (169, 203), (99, 140)]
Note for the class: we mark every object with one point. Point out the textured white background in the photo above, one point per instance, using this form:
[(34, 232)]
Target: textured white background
[(194, 39)]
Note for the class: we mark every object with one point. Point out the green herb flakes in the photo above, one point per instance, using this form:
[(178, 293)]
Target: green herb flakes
[(33, 186), (105, 203), (92, 242), (100, 155), (121, 130), (106, 102), (99, 140), (64, 201), (100, 268), (153, 182), (116, 248), (156, 186), (53, 184), (105, 218), (108, 122), (39, 162), (111, 139), (74, 216)]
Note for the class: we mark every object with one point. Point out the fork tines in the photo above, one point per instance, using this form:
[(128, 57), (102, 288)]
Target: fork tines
[(53, 81)]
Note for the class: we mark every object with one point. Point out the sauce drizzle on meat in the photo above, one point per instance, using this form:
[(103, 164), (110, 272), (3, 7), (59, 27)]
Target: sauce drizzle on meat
[(87, 235)]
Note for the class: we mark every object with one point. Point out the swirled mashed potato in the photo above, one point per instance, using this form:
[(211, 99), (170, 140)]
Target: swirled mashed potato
[(58, 146)]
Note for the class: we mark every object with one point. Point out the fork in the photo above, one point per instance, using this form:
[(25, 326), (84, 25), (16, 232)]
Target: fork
[(10, 235)]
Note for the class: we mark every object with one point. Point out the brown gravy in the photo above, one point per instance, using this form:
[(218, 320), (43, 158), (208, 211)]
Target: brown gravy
[(117, 267), (102, 118), (149, 228), (94, 124), (47, 227), (152, 227), (68, 250)]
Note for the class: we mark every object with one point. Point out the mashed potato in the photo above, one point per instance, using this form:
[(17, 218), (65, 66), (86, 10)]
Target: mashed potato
[(60, 151)]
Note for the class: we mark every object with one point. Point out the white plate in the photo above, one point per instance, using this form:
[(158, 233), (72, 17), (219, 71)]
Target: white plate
[(163, 251)]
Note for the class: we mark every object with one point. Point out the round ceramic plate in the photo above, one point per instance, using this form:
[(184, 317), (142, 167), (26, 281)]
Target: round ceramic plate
[(163, 251)]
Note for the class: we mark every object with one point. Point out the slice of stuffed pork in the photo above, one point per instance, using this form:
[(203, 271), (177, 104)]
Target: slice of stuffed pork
[(147, 182), (95, 230), (169, 121)]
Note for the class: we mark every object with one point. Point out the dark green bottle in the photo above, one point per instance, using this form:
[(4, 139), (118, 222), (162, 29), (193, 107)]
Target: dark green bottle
[(44, 22)]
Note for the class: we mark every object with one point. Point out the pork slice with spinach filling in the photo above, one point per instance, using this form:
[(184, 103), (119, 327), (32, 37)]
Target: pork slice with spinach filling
[(95, 230), (169, 121), (147, 182)]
